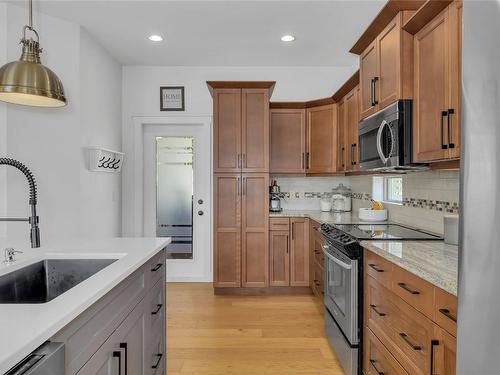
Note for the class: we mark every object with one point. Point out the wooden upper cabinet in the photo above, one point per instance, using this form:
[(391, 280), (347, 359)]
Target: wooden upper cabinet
[(351, 110), (241, 126), (386, 67), (341, 138), (321, 145), (255, 130), (288, 146), (368, 70), (436, 126), (255, 229), (227, 130), (299, 252), (227, 228)]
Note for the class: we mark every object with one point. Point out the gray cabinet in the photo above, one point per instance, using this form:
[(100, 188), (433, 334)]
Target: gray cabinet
[(124, 332)]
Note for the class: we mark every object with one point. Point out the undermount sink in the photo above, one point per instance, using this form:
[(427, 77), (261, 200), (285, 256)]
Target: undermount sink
[(43, 281)]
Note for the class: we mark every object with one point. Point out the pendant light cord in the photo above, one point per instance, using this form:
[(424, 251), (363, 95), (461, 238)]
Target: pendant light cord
[(30, 25), (31, 14)]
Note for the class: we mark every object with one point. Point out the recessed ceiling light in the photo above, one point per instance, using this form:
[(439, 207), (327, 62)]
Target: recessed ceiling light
[(287, 38), (155, 38)]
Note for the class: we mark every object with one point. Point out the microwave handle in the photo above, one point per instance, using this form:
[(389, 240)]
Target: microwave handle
[(333, 259), (379, 142)]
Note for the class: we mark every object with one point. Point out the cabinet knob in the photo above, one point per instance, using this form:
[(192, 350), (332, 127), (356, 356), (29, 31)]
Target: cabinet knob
[(200, 213)]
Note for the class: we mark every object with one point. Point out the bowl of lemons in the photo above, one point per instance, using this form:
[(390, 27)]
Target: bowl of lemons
[(376, 212)]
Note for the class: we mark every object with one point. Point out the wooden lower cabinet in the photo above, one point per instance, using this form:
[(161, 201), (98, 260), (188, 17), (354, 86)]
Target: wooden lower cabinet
[(402, 335), (279, 256), (316, 260), (289, 253)]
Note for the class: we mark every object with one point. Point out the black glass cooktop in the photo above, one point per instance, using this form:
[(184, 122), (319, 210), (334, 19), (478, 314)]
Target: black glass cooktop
[(385, 232)]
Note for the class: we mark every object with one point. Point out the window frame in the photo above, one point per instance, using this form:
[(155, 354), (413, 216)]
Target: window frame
[(381, 189)]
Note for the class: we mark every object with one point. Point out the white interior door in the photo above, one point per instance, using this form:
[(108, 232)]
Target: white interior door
[(177, 196)]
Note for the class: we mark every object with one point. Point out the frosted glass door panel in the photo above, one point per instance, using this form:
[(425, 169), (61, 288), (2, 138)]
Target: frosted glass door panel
[(174, 203)]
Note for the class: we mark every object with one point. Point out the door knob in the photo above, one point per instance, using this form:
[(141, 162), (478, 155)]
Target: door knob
[(200, 201), (200, 213)]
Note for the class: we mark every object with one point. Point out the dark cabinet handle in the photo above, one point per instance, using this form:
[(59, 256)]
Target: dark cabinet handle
[(118, 354), (354, 147), (443, 115), (374, 266), (374, 82), (303, 160), (372, 362), (372, 99), (123, 345), (405, 337), (157, 267), (447, 313), (307, 161), (451, 111), (158, 308), (160, 356), (316, 252), (379, 313), (405, 287), (433, 344)]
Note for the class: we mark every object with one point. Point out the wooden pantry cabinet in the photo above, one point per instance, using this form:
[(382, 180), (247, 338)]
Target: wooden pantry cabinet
[(410, 325), (287, 140), (437, 61), (289, 252), (241, 183), (386, 67)]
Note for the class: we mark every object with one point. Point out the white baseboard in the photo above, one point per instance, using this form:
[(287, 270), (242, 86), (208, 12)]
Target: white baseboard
[(188, 280)]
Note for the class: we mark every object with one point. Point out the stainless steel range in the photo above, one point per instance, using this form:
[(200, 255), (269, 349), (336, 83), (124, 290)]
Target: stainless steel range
[(344, 283)]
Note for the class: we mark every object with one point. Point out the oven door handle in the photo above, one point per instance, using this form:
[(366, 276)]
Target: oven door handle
[(379, 142), (335, 260)]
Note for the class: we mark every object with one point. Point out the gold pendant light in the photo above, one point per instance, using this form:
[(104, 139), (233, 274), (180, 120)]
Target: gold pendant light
[(27, 81)]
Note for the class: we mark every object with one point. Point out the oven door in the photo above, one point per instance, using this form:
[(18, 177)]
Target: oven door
[(341, 291)]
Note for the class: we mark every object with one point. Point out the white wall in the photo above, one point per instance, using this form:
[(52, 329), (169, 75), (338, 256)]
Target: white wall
[(72, 202), (3, 114), (141, 98)]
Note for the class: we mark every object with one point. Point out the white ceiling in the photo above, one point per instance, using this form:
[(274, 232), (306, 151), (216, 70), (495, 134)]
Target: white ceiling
[(222, 33)]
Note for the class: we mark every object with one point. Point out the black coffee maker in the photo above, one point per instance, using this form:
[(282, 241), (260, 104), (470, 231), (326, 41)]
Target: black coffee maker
[(275, 197)]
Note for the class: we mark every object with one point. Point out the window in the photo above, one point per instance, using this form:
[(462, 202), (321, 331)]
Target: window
[(388, 189)]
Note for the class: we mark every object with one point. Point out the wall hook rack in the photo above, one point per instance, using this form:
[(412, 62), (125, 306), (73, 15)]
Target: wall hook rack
[(105, 160)]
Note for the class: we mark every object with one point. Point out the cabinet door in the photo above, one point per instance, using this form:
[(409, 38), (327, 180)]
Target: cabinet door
[(255, 130), (387, 89), (321, 139), (279, 258), (455, 68), (288, 131), (227, 230), (227, 130), (342, 143), (255, 230), (431, 90), (368, 71), (351, 109), (299, 252), (444, 354), (123, 350)]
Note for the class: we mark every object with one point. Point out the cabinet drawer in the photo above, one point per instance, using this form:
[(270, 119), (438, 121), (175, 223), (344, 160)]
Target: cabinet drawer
[(279, 223), (378, 268), (417, 292), (445, 311), (155, 363), (377, 359), (156, 269), (407, 333), (155, 305), (318, 281)]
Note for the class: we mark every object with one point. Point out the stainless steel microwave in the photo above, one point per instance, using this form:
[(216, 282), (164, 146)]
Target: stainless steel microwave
[(385, 140)]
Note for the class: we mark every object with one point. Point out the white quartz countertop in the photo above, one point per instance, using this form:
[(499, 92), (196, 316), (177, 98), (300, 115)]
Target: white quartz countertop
[(24, 327), (324, 217), (433, 261)]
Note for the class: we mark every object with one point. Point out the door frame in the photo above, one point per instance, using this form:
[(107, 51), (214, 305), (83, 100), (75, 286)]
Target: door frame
[(133, 177)]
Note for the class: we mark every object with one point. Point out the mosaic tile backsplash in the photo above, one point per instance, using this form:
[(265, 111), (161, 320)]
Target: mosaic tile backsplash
[(427, 196)]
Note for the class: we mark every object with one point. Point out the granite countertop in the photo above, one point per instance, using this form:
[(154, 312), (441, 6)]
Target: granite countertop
[(324, 217), (27, 326), (433, 261)]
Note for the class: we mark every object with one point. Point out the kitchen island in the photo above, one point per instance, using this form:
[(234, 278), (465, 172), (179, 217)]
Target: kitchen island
[(124, 284)]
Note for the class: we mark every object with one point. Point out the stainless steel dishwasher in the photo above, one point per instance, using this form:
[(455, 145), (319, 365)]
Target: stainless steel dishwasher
[(48, 359)]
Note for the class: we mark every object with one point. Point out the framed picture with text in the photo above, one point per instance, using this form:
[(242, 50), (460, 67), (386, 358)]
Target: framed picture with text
[(172, 98)]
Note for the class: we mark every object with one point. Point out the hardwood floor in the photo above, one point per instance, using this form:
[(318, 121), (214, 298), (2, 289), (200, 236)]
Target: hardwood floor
[(209, 335)]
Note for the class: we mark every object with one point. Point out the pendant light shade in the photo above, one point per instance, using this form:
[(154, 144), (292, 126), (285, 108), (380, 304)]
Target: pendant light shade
[(27, 81)]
